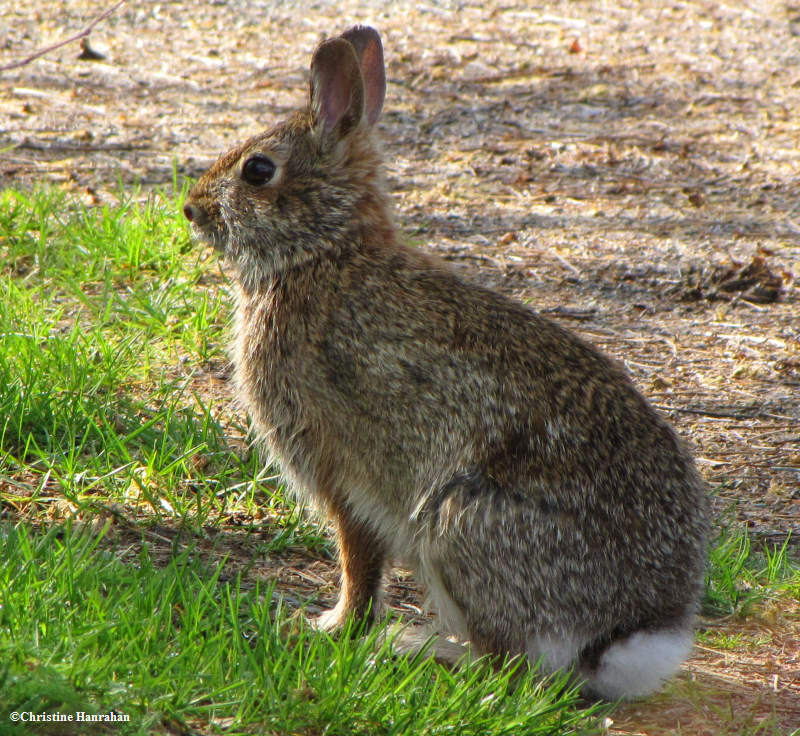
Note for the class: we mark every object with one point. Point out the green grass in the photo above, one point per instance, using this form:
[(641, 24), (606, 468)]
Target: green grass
[(175, 648), (108, 330), (741, 578), (112, 324)]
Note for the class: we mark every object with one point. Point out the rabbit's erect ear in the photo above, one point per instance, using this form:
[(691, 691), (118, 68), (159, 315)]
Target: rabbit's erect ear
[(337, 89), (369, 50)]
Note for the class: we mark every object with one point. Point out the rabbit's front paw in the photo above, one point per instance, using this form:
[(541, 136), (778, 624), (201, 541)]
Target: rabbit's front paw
[(331, 621), (337, 618)]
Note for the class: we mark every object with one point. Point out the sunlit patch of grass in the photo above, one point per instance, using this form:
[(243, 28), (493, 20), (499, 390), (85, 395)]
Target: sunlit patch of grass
[(100, 310), (82, 631), (740, 577), (726, 640)]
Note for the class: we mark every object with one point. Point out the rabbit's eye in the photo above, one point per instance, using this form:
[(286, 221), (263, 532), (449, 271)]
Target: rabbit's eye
[(258, 169)]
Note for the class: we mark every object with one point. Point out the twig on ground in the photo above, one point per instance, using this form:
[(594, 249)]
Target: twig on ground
[(750, 413), (83, 34)]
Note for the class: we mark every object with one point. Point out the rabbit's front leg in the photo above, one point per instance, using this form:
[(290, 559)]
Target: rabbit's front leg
[(361, 557)]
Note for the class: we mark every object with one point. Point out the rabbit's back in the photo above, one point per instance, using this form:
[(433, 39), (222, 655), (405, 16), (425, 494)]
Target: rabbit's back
[(398, 377)]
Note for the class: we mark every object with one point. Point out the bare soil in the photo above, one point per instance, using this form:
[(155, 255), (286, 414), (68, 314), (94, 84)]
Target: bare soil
[(630, 168)]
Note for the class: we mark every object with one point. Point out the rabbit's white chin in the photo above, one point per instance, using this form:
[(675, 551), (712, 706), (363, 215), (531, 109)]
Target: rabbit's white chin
[(203, 236)]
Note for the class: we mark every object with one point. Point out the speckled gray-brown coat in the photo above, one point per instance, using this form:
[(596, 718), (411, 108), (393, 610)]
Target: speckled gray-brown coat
[(547, 506)]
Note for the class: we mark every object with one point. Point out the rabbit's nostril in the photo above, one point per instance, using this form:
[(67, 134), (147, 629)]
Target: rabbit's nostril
[(195, 214)]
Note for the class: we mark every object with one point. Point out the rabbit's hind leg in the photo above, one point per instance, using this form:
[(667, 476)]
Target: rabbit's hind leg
[(474, 546)]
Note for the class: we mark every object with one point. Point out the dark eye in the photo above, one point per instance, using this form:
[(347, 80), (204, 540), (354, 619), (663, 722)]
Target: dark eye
[(258, 169)]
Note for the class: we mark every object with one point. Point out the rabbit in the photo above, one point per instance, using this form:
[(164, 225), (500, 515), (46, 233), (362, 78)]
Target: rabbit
[(547, 508)]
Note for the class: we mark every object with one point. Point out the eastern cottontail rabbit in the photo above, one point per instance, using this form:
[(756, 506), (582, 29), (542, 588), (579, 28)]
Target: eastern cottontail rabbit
[(546, 506)]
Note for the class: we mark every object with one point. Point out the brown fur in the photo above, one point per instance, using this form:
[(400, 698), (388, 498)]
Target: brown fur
[(511, 464)]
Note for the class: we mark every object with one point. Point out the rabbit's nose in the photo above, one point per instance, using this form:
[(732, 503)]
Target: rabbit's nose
[(195, 214)]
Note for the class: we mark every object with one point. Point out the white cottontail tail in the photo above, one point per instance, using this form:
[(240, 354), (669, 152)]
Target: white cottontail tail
[(549, 510)]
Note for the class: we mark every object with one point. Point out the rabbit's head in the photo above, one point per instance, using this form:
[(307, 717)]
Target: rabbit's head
[(309, 186)]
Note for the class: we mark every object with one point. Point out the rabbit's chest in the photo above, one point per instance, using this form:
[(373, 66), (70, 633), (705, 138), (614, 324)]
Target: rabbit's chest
[(272, 377)]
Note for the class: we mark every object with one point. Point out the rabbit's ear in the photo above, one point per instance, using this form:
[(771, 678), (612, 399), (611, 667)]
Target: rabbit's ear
[(369, 50), (337, 89)]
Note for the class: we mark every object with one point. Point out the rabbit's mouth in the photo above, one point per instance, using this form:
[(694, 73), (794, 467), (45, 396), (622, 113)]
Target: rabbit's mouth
[(210, 237), (204, 227), (213, 238)]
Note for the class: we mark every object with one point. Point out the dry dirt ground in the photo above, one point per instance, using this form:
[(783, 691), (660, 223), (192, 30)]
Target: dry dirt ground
[(629, 167)]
